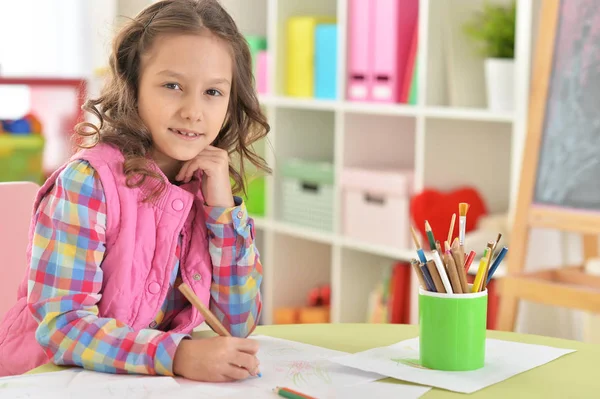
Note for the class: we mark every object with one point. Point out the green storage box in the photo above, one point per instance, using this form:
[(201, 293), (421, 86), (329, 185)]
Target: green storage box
[(308, 193), (21, 157), (255, 200), (256, 44)]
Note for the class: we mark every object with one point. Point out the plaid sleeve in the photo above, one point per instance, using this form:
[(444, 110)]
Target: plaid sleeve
[(66, 278), (237, 271)]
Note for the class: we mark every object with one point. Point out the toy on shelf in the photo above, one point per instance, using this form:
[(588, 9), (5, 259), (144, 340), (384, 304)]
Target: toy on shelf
[(21, 150), (317, 311), (437, 207), (17, 126)]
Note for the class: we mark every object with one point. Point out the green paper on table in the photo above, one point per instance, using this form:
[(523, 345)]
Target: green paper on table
[(503, 360)]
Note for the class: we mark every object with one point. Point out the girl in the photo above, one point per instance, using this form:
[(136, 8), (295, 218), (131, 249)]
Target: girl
[(149, 205)]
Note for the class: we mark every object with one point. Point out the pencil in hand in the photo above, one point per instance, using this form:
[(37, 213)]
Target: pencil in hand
[(209, 317)]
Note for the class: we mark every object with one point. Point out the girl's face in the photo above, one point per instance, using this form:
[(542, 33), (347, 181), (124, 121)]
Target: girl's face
[(184, 88)]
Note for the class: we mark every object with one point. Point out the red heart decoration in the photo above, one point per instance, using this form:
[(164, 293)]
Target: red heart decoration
[(437, 207)]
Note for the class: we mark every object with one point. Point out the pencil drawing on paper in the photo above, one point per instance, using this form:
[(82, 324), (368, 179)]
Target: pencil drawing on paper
[(283, 351), (304, 373), (408, 362)]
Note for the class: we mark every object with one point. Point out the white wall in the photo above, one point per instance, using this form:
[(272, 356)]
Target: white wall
[(44, 38)]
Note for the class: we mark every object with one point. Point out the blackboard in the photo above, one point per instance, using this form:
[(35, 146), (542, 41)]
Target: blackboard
[(568, 173)]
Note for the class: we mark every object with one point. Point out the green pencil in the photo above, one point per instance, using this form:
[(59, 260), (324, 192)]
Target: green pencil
[(288, 393), (430, 236)]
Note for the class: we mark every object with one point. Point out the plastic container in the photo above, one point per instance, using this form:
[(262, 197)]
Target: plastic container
[(308, 194), (376, 206)]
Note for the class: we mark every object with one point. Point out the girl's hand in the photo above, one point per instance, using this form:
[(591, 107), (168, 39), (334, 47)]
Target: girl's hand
[(214, 162), (218, 359)]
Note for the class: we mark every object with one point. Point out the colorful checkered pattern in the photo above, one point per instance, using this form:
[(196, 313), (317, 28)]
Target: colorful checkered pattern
[(66, 277)]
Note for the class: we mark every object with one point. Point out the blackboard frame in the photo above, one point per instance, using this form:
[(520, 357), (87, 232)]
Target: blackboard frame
[(567, 287)]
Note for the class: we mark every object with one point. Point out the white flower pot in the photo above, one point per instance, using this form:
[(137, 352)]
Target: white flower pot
[(499, 80)]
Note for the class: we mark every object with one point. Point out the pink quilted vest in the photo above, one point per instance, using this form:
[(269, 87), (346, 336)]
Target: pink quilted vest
[(139, 257)]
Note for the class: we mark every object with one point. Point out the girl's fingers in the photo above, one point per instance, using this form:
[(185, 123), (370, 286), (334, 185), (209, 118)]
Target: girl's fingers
[(244, 360), (237, 373), (204, 163), (209, 159), (182, 171)]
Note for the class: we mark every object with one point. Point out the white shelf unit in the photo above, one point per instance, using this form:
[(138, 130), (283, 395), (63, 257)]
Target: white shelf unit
[(446, 147)]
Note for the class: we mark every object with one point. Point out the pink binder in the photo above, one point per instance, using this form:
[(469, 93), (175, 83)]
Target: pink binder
[(262, 76), (360, 51), (393, 22)]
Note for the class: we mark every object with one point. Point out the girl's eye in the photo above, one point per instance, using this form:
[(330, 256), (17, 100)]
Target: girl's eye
[(173, 86), (213, 92)]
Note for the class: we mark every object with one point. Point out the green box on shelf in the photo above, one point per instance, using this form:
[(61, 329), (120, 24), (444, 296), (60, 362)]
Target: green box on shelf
[(256, 44), (21, 157), (308, 193), (255, 201)]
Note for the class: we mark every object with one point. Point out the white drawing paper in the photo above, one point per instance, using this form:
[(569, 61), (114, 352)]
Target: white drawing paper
[(504, 359)]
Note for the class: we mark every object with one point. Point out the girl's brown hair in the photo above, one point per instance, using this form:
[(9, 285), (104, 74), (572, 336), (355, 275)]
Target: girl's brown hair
[(116, 107)]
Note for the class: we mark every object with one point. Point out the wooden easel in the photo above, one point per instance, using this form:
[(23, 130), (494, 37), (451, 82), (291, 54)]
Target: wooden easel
[(569, 286)]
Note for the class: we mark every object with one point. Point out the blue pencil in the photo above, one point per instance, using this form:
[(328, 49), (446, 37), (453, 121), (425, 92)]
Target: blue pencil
[(420, 252), (428, 279), (496, 263)]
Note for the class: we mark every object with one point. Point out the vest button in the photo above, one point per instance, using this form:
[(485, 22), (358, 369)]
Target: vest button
[(153, 324), (177, 204), (197, 277), (154, 287), (240, 214)]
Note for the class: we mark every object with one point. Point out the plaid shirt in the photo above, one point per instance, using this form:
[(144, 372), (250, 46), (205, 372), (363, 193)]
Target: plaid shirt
[(66, 278)]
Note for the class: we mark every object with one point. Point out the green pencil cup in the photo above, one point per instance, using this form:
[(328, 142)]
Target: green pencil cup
[(452, 330)]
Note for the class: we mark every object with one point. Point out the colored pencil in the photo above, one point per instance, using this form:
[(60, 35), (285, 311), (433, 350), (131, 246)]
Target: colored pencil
[(469, 261), (459, 251), (455, 250), (451, 267), (430, 235), (487, 266), (415, 265), (291, 394), (420, 252), (442, 271), (496, 263), (462, 276), (451, 230), (209, 317), (428, 278), (435, 277), (480, 272)]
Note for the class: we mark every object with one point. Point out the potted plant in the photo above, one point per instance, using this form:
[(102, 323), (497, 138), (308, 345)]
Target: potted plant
[(493, 31)]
